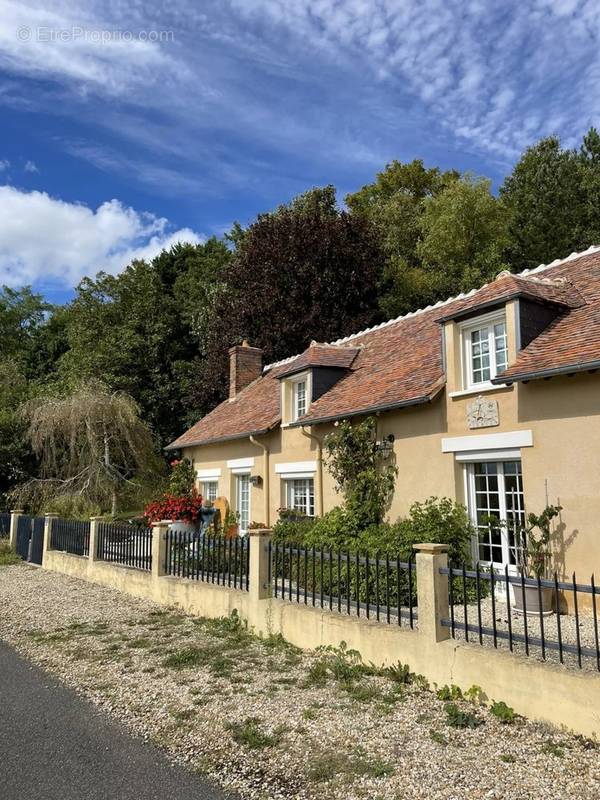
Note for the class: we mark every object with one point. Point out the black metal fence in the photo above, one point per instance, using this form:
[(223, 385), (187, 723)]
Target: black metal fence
[(70, 536), (124, 544), (526, 614), (4, 525), (208, 558), (373, 586)]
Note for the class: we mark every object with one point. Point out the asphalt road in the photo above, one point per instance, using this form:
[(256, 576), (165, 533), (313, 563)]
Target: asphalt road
[(55, 746)]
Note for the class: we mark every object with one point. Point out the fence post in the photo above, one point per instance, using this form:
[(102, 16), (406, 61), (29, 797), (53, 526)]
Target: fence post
[(432, 590), (14, 523), (159, 547), (259, 563), (48, 520), (93, 545)]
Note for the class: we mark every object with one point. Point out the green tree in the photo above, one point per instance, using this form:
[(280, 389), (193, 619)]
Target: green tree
[(394, 203), (16, 458), (305, 271), (139, 332), (544, 196), (464, 231)]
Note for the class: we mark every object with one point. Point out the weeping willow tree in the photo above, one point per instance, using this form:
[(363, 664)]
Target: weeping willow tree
[(92, 448)]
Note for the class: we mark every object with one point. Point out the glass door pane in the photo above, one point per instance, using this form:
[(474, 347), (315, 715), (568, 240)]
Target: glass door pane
[(497, 508), (243, 502)]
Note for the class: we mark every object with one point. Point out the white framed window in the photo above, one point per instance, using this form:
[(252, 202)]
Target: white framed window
[(210, 490), (300, 495), (243, 501), (300, 398), (485, 350), (495, 492)]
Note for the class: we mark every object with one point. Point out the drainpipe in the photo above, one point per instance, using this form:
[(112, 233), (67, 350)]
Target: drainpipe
[(319, 486), (267, 498)]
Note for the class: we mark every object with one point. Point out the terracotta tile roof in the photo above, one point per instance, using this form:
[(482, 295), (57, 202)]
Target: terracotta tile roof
[(321, 355), (558, 292), (399, 363), (572, 342)]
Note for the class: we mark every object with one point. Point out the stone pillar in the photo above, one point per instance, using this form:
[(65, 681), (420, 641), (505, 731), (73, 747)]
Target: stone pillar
[(432, 591), (93, 554), (48, 520), (259, 563), (159, 547), (14, 521)]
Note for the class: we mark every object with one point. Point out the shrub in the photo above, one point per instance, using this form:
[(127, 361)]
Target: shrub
[(182, 477)]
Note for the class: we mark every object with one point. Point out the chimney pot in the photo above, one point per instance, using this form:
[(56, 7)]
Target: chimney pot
[(245, 366)]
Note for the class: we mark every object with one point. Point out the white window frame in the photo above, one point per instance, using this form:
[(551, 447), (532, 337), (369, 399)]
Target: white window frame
[(466, 330), (239, 482), (299, 381), (472, 507), (212, 483), (291, 486)]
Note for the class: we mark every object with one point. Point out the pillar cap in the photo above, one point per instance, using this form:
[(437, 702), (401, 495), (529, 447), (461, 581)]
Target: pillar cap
[(95, 519), (431, 548), (260, 532), (51, 514), (16, 511)]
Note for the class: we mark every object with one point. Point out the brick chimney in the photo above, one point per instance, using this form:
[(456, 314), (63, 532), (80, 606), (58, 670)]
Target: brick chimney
[(245, 366)]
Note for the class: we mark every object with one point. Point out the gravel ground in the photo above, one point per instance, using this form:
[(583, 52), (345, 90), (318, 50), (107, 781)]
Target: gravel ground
[(568, 632), (261, 717)]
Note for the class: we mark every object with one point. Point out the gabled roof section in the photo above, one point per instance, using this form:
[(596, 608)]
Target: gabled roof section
[(254, 411), (321, 355), (557, 292)]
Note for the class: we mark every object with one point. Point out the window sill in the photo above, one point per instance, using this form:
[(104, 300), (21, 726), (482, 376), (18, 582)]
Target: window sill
[(484, 388)]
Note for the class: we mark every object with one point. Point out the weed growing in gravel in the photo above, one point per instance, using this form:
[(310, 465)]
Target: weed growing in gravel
[(182, 715), (399, 673), (437, 737), (503, 713), (507, 758), (475, 695), (139, 644), (457, 718), (251, 734), (330, 764), (552, 748), (310, 714), (449, 693), (183, 659), (362, 693)]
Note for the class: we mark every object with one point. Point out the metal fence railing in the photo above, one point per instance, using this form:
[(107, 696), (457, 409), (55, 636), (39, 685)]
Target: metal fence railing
[(373, 586), (70, 536), (208, 558), (526, 614), (4, 525), (124, 544)]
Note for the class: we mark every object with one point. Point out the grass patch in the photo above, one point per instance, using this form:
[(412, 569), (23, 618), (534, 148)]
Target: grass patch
[(438, 737), (507, 758), (186, 658), (552, 748), (331, 764), (7, 554), (251, 734), (141, 643)]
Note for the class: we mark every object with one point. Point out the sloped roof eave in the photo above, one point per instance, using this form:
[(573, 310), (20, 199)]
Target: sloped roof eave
[(231, 437), (413, 401), (549, 372)]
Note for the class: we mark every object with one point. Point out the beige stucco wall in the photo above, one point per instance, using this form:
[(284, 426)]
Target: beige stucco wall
[(562, 467)]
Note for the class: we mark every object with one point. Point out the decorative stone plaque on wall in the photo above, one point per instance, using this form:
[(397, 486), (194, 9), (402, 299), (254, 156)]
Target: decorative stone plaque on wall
[(482, 413)]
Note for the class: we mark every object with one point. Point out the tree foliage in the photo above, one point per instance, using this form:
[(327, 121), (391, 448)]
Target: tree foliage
[(91, 444)]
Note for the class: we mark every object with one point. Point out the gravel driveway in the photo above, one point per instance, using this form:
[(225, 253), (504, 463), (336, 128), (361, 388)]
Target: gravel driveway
[(263, 718)]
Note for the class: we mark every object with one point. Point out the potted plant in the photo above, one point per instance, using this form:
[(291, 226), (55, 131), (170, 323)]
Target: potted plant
[(532, 558), (185, 511)]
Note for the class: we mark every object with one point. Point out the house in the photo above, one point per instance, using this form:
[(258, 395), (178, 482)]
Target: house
[(491, 398)]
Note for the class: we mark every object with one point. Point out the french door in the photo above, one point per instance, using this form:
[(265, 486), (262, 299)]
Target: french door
[(243, 502), (497, 510)]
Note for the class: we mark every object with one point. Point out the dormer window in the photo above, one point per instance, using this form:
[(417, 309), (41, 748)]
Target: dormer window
[(300, 399), (485, 350)]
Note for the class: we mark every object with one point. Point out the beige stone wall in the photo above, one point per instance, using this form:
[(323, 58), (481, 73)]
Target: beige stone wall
[(533, 689)]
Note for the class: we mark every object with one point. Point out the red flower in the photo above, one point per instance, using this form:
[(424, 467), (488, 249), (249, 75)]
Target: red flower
[(175, 507)]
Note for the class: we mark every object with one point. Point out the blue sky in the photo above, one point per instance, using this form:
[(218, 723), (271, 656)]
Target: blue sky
[(127, 126)]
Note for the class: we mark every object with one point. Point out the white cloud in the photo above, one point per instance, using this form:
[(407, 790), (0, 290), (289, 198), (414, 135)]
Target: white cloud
[(4, 165), (30, 166), (47, 240)]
